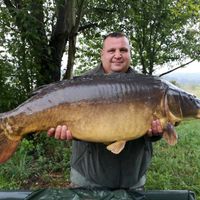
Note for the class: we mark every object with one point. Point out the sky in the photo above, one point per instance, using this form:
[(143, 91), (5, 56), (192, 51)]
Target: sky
[(193, 67)]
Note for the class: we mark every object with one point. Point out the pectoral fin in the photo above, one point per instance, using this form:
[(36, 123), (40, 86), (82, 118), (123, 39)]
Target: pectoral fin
[(116, 147), (170, 134)]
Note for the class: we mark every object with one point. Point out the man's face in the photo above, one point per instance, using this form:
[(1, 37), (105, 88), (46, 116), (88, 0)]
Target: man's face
[(115, 55)]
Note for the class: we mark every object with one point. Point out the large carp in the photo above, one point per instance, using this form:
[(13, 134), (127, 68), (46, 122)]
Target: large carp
[(109, 108)]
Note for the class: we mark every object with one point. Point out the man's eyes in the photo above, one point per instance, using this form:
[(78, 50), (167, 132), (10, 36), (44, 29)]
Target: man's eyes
[(111, 50), (121, 50)]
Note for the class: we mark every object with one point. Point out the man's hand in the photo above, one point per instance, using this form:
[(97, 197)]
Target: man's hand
[(60, 133), (156, 128)]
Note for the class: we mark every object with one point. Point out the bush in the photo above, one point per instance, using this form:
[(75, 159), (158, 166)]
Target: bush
[(37, 158)]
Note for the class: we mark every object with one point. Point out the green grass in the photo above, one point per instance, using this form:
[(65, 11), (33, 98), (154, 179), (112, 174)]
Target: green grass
[(177, 167), (40, 162)]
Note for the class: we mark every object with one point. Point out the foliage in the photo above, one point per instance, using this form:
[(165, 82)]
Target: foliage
[(19, 167), (37, 161), (35, 33), (10, 86), (161, 32), (22, 42), (33, 38), (160, 28)]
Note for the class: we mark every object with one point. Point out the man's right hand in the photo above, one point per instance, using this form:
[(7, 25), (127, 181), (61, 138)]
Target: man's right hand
[(60, 133)]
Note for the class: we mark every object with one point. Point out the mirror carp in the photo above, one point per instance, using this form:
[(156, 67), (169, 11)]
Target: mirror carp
[(110, 109)]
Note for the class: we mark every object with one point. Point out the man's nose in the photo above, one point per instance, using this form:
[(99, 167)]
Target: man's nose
[(118, 54)]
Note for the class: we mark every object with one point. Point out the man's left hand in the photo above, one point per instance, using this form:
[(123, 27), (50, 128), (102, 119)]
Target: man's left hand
[(156, 128)]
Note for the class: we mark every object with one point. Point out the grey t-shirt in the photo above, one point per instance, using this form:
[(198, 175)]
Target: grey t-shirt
[(94, 163)]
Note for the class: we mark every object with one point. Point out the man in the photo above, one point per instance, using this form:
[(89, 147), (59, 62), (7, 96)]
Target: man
[(91, 164)]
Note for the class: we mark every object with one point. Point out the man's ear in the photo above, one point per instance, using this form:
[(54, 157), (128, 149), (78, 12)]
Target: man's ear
[(101, 52)]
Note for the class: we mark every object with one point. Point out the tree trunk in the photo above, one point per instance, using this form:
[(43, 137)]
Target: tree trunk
[(75, 14), (71, 57)]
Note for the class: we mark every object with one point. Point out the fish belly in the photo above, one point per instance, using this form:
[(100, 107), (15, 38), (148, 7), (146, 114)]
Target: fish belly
[(108, 122)]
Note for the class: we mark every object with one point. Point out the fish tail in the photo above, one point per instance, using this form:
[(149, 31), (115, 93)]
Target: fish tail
[(7, 147)]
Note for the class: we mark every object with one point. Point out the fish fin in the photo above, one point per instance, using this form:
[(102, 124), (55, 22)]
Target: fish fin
[(116, 147), (170, 134), (7, 147)]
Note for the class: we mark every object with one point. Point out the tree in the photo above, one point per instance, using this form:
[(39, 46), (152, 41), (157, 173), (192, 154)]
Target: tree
[(35, 34), (161, 31), (44, 27)]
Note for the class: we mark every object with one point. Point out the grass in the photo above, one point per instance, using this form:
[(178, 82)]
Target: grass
[(177, 167), (40, 162)]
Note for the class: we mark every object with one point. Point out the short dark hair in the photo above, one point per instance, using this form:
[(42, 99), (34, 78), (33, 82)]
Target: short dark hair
[(115, 34)]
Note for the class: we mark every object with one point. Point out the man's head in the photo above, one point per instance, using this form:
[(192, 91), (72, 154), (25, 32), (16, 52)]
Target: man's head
[(115, 54)]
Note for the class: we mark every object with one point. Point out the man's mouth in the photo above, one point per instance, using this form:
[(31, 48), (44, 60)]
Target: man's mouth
[(117, 63)]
